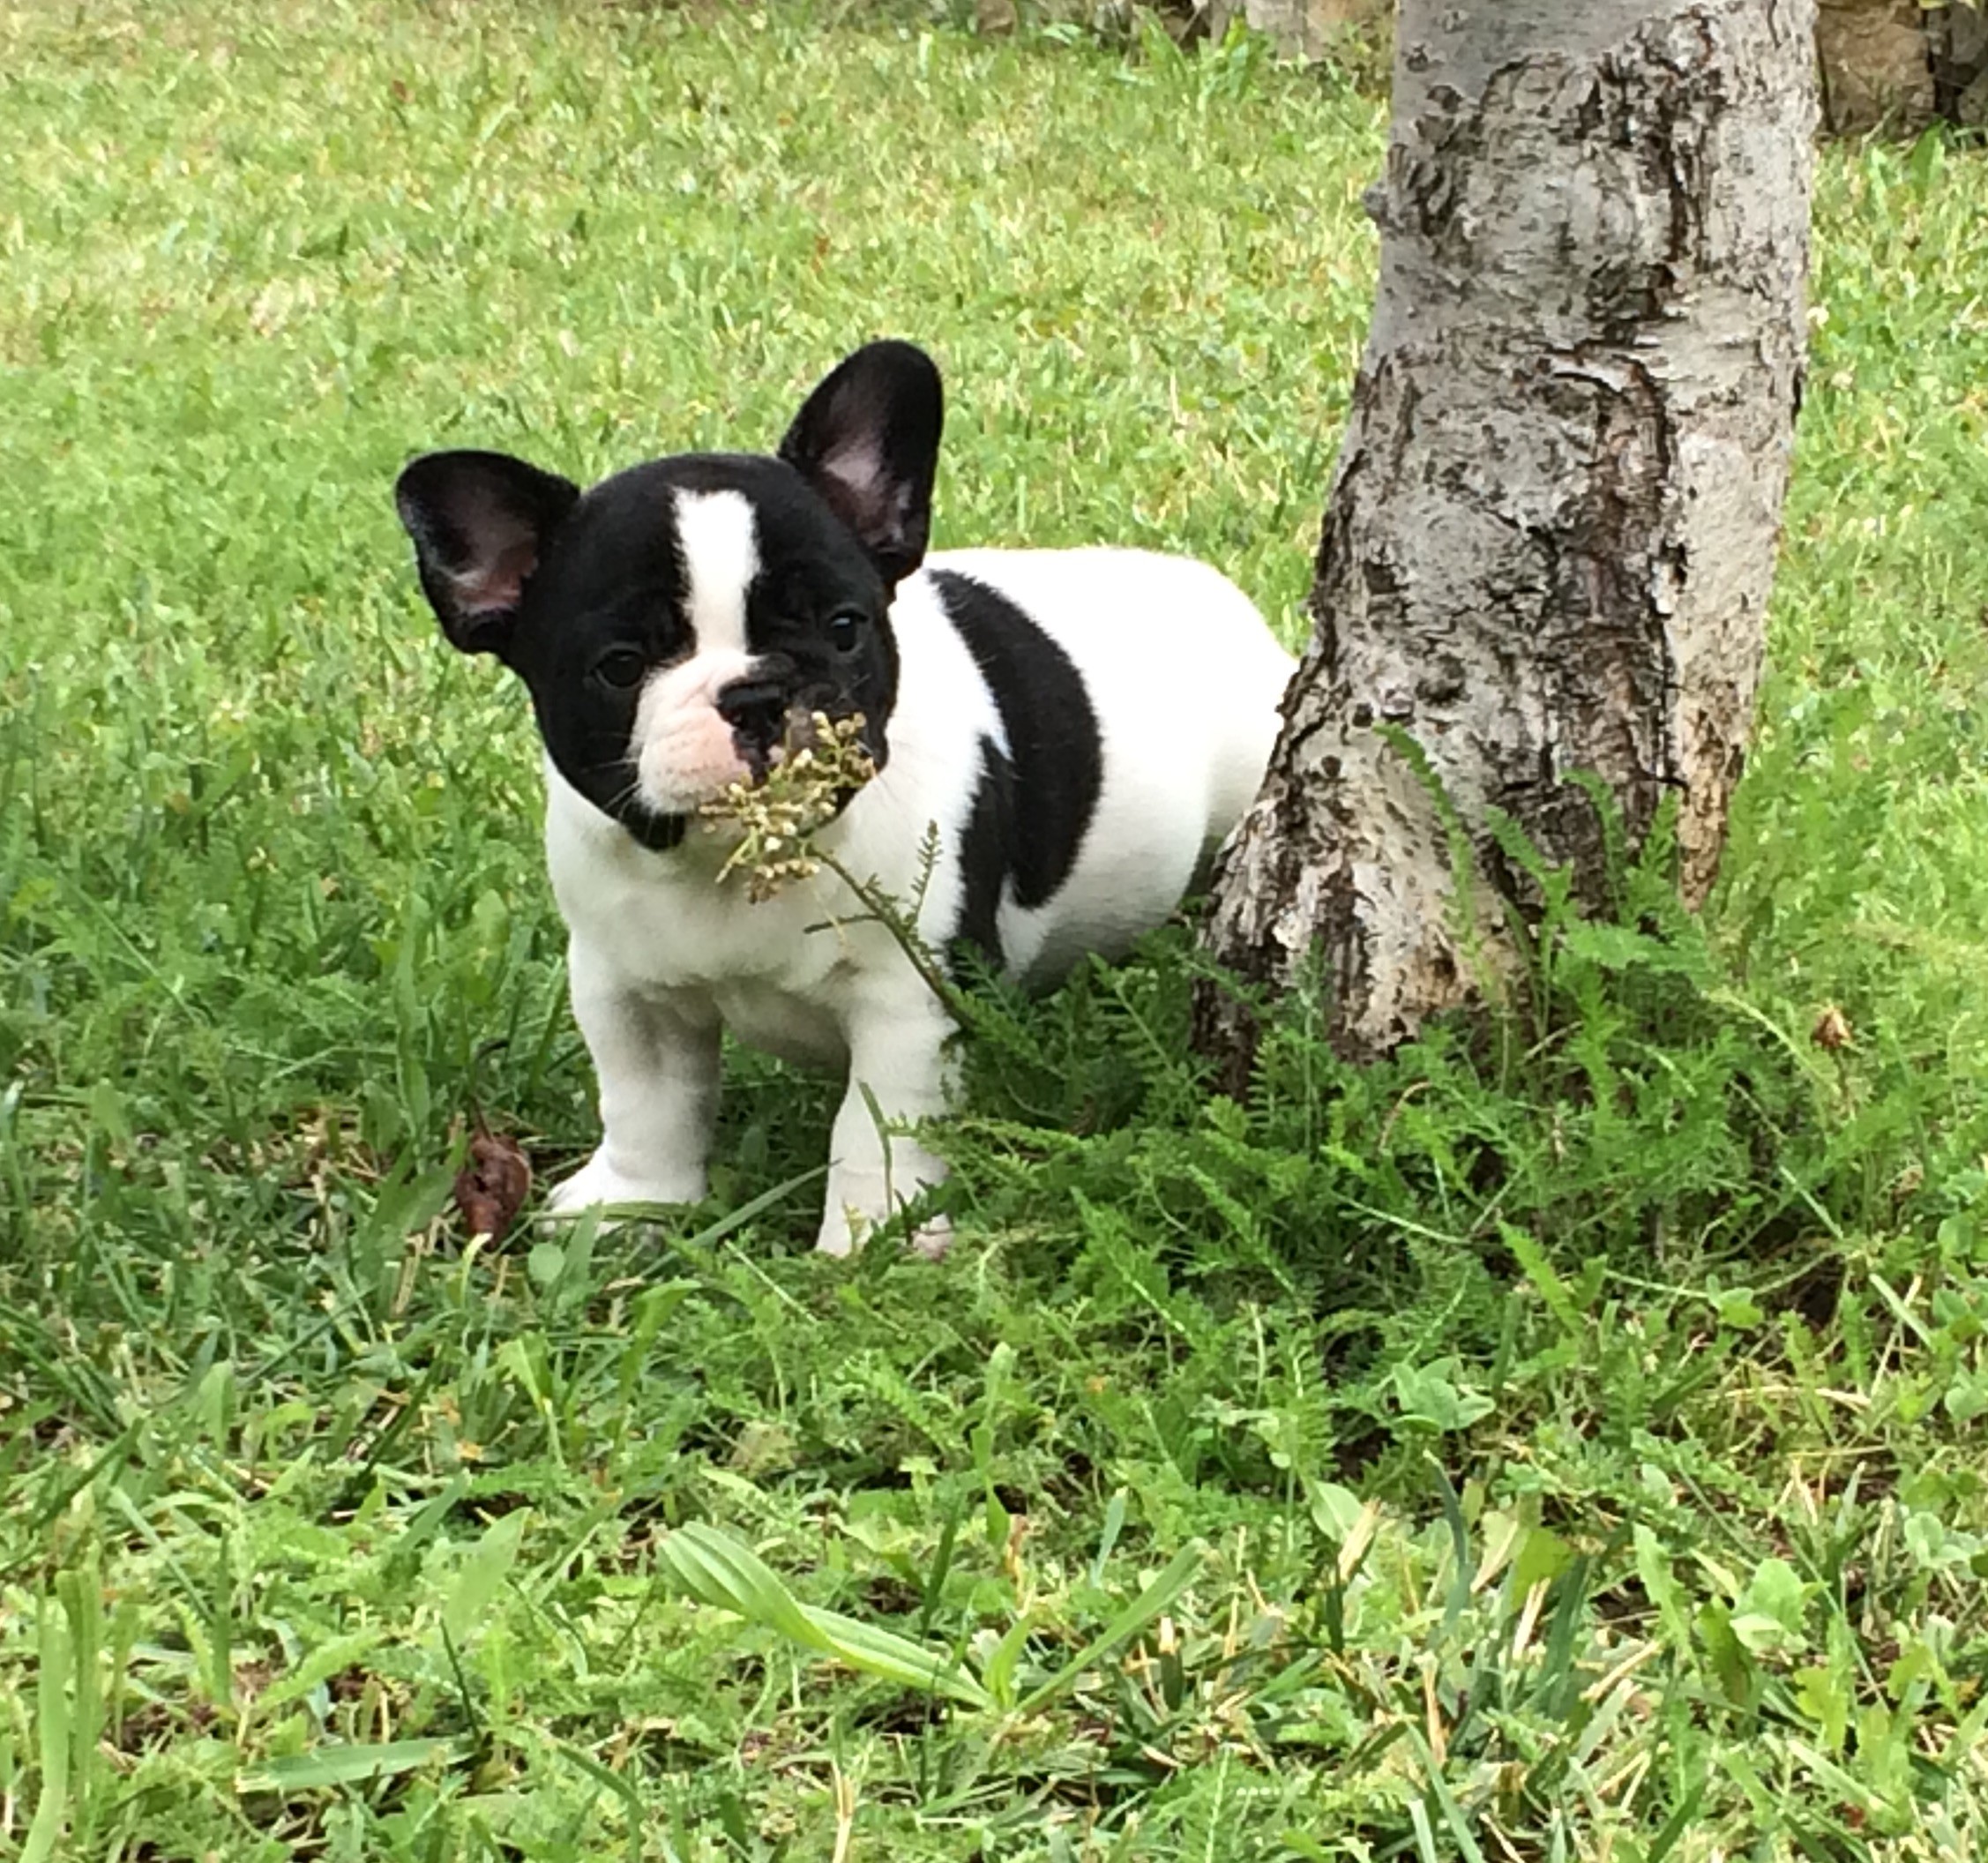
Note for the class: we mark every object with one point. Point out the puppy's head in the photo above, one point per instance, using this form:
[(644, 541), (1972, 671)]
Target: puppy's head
[(677, 624)]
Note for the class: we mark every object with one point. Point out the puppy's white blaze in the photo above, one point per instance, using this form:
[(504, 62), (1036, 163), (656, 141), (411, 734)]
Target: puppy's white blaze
[(718, 535), (683, 751)]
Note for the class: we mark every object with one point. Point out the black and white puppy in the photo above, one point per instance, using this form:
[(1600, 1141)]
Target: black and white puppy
[(1082, 726)]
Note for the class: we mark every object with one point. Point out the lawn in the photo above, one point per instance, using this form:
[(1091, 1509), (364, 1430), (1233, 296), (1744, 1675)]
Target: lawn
[(1565, 1440)]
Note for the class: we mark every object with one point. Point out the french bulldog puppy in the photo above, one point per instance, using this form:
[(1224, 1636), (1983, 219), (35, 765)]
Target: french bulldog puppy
[(1081, 728)]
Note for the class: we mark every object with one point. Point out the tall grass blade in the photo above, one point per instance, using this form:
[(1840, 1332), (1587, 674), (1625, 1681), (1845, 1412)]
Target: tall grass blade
[(329, 1766), (53, 1730), (716, 1569), (1129, 1623)]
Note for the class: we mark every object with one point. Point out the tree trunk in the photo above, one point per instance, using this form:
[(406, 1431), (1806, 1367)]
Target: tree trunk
[(1551, 531), (1877, 65), (1960, 64)]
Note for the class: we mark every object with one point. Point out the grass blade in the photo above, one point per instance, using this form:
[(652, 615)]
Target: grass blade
[(331, 1766), (53, 1718), (1446, 1802), (716, 1569), (1128, 1623), (81, 1591)]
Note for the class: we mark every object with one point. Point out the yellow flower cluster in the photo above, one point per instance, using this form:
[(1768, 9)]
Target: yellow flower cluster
[(799, 795)]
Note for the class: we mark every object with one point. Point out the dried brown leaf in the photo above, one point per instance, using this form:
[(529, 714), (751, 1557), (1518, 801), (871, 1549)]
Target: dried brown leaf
[(492, 1186), (1832, 1029)]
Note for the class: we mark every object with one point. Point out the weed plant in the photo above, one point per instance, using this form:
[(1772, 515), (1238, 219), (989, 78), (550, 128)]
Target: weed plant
[(1561, 1440)]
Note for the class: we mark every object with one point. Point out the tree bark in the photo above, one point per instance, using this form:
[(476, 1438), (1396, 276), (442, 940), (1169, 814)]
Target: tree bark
[(1552, 530), (1877, 66), (1960, 64)]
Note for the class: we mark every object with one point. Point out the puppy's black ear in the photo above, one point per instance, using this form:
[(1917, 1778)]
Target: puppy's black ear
[(480, 523), (867, 440)]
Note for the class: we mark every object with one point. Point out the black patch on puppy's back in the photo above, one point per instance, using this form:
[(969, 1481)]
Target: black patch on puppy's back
[(1055, 762), (983, 854)]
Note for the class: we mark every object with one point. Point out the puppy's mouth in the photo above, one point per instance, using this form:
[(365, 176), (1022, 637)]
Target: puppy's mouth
[(705, 755), (801, 785), (843, 736)]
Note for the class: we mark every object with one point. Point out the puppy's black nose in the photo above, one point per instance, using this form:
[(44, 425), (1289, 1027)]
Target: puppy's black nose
[(755, 708)]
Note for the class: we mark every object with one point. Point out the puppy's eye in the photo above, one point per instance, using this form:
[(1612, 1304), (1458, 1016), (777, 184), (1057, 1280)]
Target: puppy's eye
[(621, 668), (845, 631)]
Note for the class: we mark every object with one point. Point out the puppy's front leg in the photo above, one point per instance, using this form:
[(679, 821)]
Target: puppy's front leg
[(901, 1069), (657, 1061)]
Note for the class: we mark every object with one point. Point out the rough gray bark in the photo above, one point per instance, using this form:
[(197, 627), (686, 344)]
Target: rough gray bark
[(1877, 68), (1552, 527), (1960, 63)]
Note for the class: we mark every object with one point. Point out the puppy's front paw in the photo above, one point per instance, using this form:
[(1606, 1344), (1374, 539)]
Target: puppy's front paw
[(844, 1230), (597, 1184)]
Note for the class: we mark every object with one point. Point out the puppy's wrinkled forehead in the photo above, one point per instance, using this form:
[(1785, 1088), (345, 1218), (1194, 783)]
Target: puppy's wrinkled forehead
[(714, 539)]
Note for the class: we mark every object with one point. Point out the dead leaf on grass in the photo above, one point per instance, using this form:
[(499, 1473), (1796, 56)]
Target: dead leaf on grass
[(492, 1186)]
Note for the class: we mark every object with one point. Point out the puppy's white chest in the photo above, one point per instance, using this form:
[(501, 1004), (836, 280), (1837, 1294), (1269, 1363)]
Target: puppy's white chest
[(775, 972), (779, 1023)]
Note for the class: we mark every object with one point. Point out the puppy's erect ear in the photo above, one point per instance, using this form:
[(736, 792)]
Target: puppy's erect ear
[(480, 523), (867, 440)]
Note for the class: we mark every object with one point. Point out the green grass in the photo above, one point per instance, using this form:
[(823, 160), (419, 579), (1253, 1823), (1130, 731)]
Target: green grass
[(1562, 1442)]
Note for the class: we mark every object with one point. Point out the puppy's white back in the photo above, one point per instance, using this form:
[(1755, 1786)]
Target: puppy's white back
[(1184, 678)]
